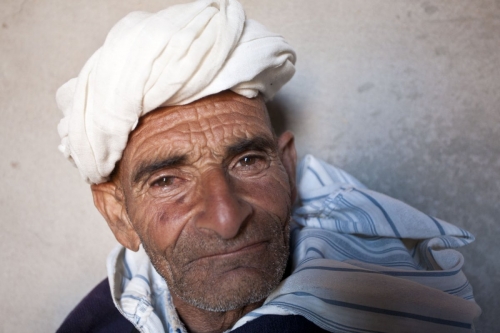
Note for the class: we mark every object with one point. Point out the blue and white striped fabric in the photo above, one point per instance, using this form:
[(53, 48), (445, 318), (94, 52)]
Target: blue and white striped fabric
[(365, 262), (362, 262)]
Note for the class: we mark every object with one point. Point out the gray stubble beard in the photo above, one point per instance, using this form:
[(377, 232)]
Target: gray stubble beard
[(214, 302)]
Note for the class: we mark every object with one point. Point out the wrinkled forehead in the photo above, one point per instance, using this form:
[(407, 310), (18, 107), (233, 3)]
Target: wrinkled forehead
[(216, 119), (225, 106)]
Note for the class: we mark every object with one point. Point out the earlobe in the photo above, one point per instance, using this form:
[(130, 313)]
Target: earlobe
[(286, 146), (109, 200)]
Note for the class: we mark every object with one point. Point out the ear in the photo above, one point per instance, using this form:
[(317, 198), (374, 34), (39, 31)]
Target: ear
[(109, 200), (286, 146)]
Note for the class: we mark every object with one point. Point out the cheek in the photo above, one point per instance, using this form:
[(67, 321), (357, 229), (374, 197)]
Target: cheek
[(160, 223), (270, 192)]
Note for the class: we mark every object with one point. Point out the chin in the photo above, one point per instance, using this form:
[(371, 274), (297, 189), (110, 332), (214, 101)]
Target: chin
[(238, 288)]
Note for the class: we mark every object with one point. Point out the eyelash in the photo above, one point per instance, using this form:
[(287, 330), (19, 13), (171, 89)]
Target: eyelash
[(260, 162), (162, 178)]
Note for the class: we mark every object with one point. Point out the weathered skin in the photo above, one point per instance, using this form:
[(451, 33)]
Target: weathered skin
[(207, 189)]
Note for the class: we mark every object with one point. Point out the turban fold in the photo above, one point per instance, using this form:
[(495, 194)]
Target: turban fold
[(172, 57)]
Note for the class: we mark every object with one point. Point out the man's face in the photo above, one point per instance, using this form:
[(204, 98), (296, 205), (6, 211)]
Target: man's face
[(209, 197)]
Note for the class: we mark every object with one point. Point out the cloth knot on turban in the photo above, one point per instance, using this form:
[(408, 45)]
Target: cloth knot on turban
[(172, 57)]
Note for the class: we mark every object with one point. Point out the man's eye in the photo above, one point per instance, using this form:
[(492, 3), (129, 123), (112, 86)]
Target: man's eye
[(248, 160), (251, 164), (164, 181)]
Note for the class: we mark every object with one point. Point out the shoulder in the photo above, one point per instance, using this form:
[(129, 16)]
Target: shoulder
[(96, 313)]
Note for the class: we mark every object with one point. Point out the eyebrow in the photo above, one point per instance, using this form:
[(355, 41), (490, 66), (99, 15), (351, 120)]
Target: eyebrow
[(260, 143), (146, 168)]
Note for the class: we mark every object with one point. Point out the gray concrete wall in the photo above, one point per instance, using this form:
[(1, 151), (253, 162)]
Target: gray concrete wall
[(405, 95)]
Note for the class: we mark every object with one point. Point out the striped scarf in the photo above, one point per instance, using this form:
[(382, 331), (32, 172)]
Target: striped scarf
[(365, 262)]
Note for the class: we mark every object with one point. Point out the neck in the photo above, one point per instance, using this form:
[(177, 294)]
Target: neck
[(198, 320)]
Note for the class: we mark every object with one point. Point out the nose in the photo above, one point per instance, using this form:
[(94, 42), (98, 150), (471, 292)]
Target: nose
[(223, 212)]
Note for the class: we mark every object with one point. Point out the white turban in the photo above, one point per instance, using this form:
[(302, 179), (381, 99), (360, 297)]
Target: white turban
[(173, 57)]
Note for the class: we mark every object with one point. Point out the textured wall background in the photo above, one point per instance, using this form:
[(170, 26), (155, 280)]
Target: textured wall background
[(405, 95)]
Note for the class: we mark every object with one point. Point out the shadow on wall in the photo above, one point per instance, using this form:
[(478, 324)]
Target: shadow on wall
[(277, 114)]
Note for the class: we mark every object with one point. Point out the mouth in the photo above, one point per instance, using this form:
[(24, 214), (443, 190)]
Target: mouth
[(245, 249)]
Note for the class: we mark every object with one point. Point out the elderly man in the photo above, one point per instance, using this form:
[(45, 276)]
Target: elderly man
[(168, 123)]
